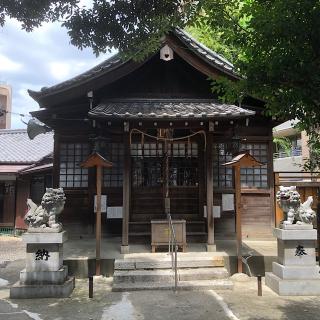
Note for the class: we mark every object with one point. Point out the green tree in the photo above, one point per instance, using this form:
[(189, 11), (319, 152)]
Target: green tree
[(32, 13), (283, 144), (274, 44)]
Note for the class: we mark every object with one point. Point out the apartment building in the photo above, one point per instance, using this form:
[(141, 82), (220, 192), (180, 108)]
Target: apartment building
[(5, 106), (292, 150)]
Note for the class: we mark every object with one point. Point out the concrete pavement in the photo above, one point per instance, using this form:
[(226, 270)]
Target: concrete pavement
[(240, 304)]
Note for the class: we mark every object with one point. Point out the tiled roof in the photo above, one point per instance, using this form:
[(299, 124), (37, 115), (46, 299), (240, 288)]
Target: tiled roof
[(37, 168), (115, 61), (207, 54), (16, 147), (44, 164), (168, 108), (104, 67)]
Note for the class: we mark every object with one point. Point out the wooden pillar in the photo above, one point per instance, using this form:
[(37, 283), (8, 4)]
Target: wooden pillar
[(279, 216), (56, 162), (271, 184), (98, 222), (238, 217), (202, 177), (244, 160), (209, 184), (97, 161), (126, 194)]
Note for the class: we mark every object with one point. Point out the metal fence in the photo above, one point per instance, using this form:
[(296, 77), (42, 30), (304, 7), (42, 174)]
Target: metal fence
[(11, 231)]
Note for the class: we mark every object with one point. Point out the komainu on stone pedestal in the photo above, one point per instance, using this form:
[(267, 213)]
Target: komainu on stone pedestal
[(289, 201), (43, 218), (296, 272), (44, 276)]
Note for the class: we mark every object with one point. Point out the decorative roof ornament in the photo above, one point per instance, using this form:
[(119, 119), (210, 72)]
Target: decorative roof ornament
[(166, 53)]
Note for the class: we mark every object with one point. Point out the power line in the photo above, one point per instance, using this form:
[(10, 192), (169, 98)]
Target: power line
[(3, 112)]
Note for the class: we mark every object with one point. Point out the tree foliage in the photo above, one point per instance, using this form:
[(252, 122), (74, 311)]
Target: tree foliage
[(283, 144), (122, 24), (32, 13), (274, 44)]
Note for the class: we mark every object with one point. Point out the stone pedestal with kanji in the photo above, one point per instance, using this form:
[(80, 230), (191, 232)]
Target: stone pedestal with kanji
[(45, 276), (296, 272)]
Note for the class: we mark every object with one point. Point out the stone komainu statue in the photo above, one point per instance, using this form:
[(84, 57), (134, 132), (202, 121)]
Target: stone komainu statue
[(44, 217), (289, 201)]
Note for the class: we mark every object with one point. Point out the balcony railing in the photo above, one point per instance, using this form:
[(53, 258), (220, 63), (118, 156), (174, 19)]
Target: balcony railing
[(284, 154)]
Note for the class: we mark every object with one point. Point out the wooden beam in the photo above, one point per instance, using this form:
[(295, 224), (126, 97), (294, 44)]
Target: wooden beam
[(209, 184), (126, 194)]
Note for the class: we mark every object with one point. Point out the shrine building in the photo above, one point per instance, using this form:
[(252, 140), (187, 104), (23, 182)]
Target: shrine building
[(138, 115)]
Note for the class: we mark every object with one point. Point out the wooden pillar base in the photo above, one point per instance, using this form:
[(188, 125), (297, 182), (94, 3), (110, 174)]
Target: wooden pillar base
[(211, 248), (124, 249)]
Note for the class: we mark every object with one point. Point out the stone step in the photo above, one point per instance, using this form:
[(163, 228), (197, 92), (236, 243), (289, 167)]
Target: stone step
[(159, 275), (164, 262), (24, 291), (203, 274), (197, 285), (133, 276), (184, 255), (299, 287)]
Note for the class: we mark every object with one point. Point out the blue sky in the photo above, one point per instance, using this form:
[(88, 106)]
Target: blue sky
[(38, 59)]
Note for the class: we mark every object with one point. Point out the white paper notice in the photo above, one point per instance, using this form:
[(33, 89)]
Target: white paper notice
[(103, 203), (227, 202), (114, 212), (216, 211)]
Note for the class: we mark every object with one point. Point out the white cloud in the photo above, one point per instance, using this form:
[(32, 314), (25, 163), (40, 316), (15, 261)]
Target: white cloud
[(60, 70), (8, 65), (38, 59)]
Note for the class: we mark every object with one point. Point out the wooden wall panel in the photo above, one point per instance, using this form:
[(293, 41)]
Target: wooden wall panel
[(256, 215), (8, 205), (23, 193)]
